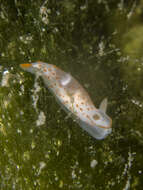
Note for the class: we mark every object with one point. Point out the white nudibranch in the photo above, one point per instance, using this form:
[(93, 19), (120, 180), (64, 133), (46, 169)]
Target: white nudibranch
[(73, 98)]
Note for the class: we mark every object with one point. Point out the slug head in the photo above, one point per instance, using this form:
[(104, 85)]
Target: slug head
[(102, 120), (33, 67)]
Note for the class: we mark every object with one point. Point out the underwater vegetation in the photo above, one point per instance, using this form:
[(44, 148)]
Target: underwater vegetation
[(99, 43)]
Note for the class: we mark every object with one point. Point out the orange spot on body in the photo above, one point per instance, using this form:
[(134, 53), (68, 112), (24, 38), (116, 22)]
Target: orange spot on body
[(49, 69), (45, 70), (77, 105), (39, 65), (88, 116), (57, 78), (47, 77), (81, 109), (96, 117)]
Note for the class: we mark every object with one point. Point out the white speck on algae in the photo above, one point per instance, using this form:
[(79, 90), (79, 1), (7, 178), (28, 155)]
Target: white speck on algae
[(41, 119), (93, 163), (5, 79)]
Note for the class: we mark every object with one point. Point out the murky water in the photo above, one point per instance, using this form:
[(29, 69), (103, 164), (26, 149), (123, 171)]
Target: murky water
[(100, 44)]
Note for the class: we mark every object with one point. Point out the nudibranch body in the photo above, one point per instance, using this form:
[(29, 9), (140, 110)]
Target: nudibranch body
[(73, 98)]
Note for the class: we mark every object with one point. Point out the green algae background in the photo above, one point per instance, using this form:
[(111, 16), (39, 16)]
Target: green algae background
[(100, 43)]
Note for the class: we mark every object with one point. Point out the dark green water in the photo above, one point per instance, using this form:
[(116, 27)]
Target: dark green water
[(101, 44)]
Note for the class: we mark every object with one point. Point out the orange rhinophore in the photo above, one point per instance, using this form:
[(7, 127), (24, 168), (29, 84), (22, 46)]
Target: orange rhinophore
[(73, 98), (26, 65)]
